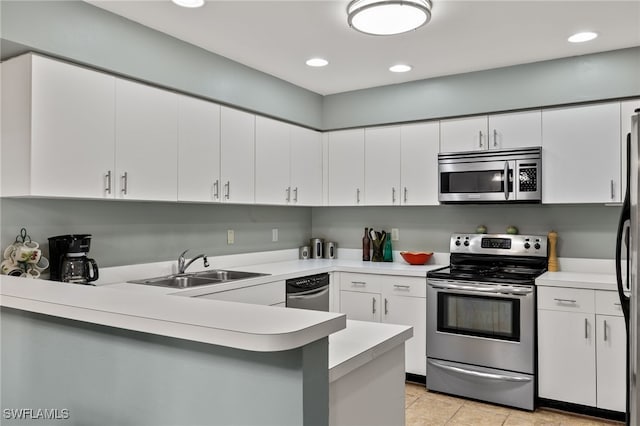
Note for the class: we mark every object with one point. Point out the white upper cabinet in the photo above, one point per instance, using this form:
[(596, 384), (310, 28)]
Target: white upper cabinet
[(346, 167), (581, 154), (57, 129), (306, 167), (419, 147), (146, 142), (198, 150), (237, 153), (627, 109), (382, 166), (272, 161), (498, 131)]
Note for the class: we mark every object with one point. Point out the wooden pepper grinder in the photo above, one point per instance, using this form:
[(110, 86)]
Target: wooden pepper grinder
[(553, 257)]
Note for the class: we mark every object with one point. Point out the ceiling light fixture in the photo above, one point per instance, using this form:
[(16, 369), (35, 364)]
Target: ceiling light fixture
[(317, 62), (400, 68), (387, 17), (582, 37), (189, 3)]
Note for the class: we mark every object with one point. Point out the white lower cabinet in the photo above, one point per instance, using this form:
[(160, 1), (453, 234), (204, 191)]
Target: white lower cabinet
[(581, 347), (393, 300), (272, 294)]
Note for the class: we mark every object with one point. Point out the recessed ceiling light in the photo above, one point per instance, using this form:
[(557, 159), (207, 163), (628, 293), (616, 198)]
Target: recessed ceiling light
[(189, 3), (581, 37), (387, 17), (317, 62), (400, 68)]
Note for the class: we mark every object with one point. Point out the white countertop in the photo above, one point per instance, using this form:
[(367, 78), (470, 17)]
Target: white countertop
[(586, 280)]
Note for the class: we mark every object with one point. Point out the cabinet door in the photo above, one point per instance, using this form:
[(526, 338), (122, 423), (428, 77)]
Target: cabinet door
[(611, 362), (198, 150), (464, 134), (411, 311), (237, 161), (419, 147), (306, 167), (515, 130), (566, 357), (146, 142), (581, 154), (73, 138), (360, 306), (346, 167), (627, 109), (382, 166), (272, 161)]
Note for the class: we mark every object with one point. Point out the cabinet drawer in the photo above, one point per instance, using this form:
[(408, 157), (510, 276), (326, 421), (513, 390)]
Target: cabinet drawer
[(566, 299), (361, 282), (608, 303), (405, 286), (263, 294)]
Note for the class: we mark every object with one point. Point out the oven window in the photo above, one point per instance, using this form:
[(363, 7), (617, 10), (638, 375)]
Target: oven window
[(481, 316), (475, 182)]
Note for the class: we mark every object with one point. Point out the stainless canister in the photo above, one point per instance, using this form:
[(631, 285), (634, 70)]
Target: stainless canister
[(316, 247), (304, 252), (330, 250)]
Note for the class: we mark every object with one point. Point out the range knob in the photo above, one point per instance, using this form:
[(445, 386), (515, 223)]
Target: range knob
[(466, 243), (457, 242), (537, 246), (527, 246)]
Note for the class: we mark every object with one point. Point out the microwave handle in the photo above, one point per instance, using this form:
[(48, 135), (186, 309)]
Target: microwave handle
[(506, 180)]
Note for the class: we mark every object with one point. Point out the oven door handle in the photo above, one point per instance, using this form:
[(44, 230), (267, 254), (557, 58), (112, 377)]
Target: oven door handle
[(481, 289), (479, 374), (309, 293)]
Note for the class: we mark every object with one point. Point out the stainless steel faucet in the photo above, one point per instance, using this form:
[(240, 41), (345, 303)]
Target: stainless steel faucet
[(181, 261)]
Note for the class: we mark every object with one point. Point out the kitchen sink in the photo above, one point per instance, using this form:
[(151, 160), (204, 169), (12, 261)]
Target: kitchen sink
[(197, 278)]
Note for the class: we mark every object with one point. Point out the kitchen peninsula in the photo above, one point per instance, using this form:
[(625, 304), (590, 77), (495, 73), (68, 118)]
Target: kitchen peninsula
[(145, 358)]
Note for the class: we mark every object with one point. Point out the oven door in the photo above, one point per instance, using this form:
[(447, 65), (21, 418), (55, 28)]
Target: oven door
[(476, 181), (482, 324)]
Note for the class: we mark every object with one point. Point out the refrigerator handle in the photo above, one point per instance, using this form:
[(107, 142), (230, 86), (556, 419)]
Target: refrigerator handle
[(625, 216)]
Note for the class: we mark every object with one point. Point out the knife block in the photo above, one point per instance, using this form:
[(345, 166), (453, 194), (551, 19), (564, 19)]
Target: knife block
[(377, 245)]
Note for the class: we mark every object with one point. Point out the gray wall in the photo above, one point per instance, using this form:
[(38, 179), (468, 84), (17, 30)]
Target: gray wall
[(108, 376), (607, 75), (128, 232), (89, 35), (586, 231)]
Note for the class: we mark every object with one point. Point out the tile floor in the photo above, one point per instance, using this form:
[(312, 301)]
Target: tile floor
[(430, 408)]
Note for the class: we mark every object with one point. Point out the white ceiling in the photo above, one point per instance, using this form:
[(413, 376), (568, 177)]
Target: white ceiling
[(277, 37)]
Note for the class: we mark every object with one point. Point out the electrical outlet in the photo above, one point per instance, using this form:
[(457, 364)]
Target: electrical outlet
[(231, 236), (395, 234), (274, 234)]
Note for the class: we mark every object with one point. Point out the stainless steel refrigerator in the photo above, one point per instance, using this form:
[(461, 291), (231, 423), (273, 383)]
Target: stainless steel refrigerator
[(628, 268)]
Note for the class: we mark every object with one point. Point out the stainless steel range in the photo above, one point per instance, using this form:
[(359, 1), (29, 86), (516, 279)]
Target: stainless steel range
[(481, 318)]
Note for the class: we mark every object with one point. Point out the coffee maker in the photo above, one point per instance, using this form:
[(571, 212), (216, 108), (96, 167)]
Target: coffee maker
[(69, 261)]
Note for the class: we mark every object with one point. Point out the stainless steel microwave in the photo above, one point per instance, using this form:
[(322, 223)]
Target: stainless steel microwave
[(492, 176)]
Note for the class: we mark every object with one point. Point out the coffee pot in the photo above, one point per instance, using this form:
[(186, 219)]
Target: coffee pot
[(69, 261)]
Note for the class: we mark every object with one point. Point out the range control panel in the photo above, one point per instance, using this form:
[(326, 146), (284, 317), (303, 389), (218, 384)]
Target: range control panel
[(504, 244)]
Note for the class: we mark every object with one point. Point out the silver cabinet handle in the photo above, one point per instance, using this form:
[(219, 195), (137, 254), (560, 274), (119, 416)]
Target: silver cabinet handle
[(605, 330), (386, 306), (393, 195), (373, 307), (227, 190), (480, 138), (125, 179), (613, 190), (586, 328), (402, 286), (108, 179), (405, 194), (506, 180), (617, 304), (357, 195), (295, 194), (288, 191), (358, 283), (565, 300), (495, 138), (216, 189)]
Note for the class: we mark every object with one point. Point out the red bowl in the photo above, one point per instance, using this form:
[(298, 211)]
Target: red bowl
[(416, 257)]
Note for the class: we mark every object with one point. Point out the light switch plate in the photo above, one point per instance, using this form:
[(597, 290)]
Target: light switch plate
[(395, 234), (274, 234), (231, 237)]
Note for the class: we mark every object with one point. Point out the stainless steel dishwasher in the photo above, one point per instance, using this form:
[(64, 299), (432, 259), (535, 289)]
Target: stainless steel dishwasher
[(310, 292)]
